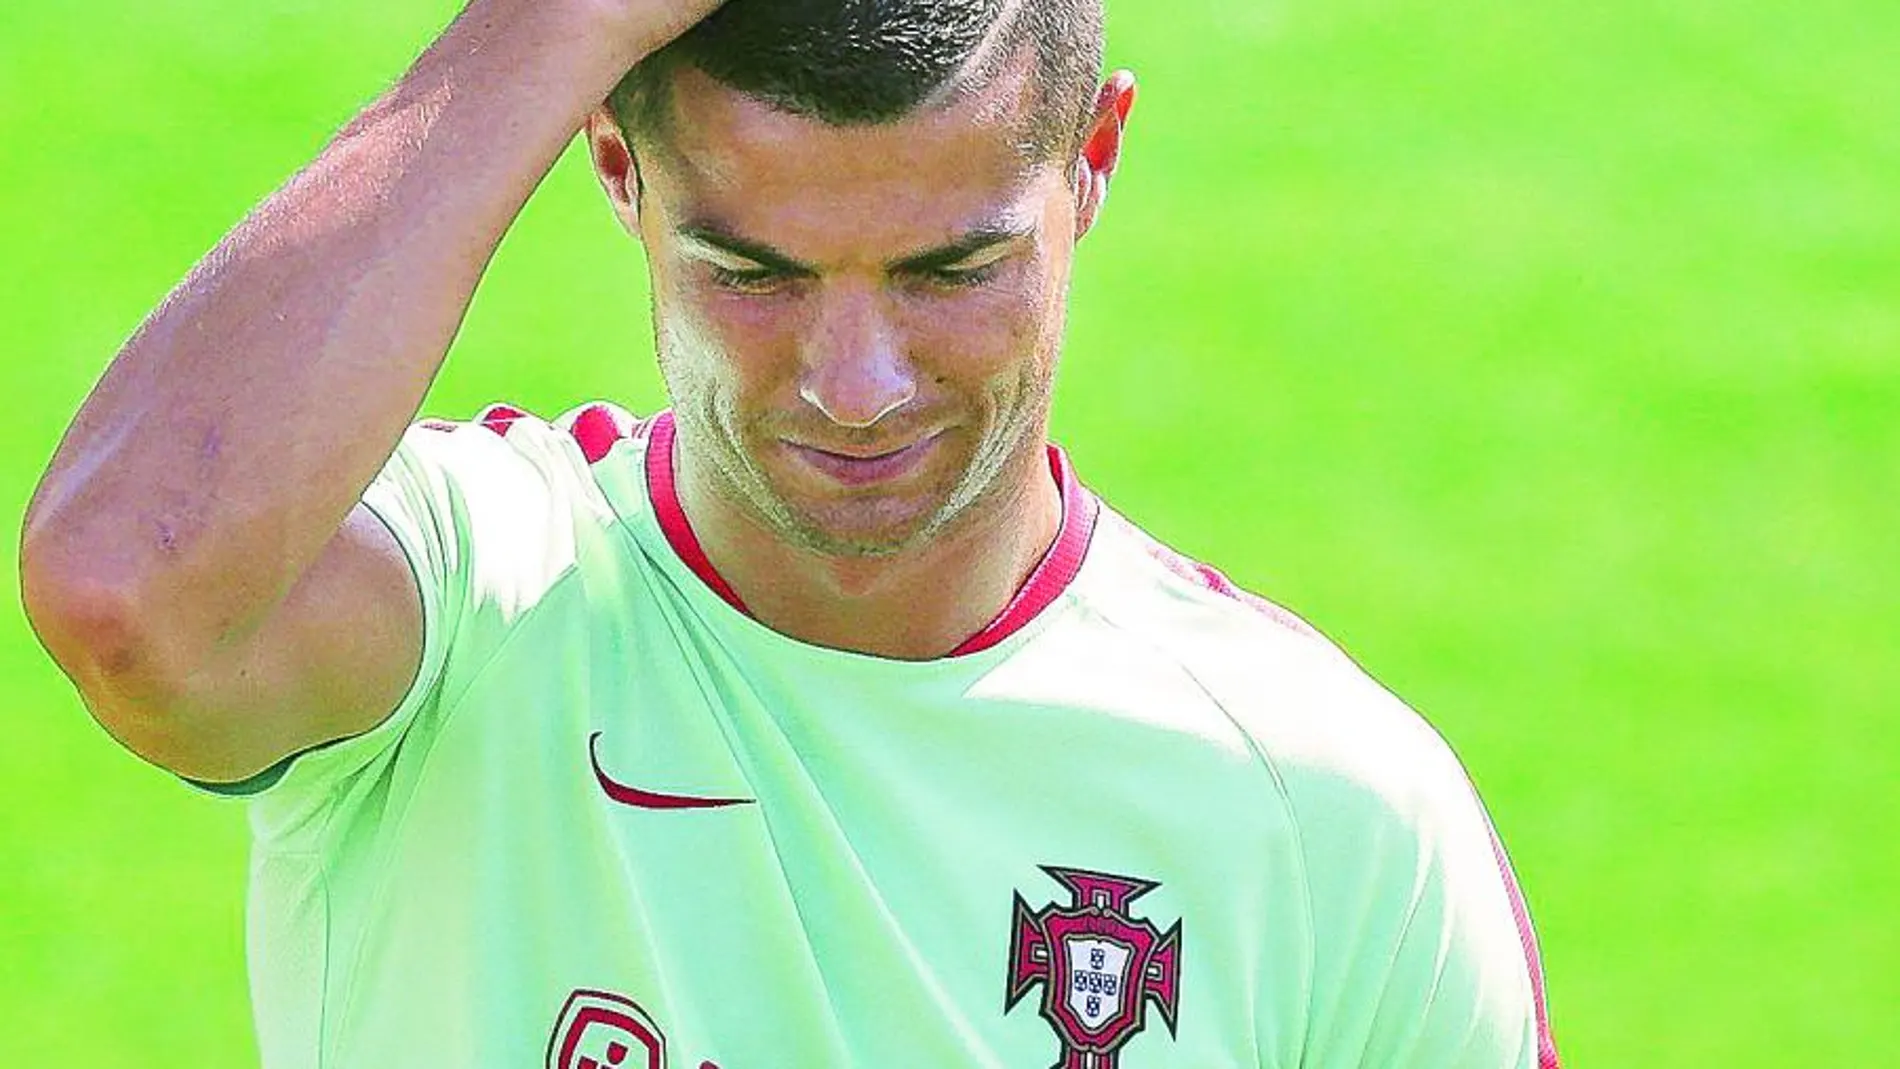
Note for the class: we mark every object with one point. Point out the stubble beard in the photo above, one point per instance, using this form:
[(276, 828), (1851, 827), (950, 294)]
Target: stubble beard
[(980, 486)]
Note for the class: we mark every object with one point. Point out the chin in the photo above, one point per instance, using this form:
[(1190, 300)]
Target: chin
[(832, 521), (863, 528)]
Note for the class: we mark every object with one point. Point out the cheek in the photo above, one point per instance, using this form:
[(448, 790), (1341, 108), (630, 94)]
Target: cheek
[(718, 338), (995, 333)]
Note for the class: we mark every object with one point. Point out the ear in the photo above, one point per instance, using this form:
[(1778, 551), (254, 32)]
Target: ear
[(1102, 148), (615, 167)]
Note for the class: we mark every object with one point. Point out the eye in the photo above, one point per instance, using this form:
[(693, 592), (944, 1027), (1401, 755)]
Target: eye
[(961, 277), (749, 280)]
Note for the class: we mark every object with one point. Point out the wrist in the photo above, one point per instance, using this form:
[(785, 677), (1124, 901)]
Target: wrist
[(593, 42), (615, 34)]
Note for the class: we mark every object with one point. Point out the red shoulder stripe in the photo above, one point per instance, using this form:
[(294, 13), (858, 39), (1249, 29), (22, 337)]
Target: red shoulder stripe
[(1211, 579), (501, 418), (598, 428), (1546, 1046)]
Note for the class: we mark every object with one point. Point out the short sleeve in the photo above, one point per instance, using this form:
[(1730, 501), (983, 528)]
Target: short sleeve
[(481, 519), (1419, 957)]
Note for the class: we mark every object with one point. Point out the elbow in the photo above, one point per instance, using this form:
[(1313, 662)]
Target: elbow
[(107, 644)]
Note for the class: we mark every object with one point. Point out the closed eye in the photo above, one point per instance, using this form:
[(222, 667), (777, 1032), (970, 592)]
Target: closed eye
[(764, 280), (960, 277), (971, 270), (751, 280)]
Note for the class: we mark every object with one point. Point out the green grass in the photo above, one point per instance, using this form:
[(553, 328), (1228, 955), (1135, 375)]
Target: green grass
[(1547, 356)]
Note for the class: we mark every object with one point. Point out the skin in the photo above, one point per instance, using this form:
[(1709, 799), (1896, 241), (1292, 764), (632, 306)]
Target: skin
[(196, 558), (824, 292)]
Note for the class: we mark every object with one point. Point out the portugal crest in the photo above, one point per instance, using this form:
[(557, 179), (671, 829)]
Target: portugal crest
[(1099, 967)]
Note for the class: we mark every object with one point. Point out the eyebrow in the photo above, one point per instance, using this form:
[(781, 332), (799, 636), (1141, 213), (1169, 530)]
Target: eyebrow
[(969, 244)]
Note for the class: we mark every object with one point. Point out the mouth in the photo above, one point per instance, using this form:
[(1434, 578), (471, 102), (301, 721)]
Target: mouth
[(866, 468)]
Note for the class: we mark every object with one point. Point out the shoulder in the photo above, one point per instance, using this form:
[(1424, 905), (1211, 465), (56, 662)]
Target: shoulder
[(1419, 935), (1193, 612), (1333, 736), (1146, 580), (580, 438), (502, 502), (509, 466)]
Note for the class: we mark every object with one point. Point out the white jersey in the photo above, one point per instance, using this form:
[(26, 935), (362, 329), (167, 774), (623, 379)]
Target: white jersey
[(1141, 820)]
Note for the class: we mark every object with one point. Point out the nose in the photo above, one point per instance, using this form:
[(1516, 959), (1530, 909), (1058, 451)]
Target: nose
[(855, 370)]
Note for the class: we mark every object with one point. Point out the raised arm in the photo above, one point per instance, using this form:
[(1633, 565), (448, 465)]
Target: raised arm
[(196, 557)]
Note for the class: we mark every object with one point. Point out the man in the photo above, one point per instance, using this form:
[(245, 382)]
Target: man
[(824, 720)]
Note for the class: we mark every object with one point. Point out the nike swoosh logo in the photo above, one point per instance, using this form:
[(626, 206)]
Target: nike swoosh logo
[(640, 799)]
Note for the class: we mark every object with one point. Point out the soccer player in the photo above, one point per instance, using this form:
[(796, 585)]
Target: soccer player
[(823, 720)]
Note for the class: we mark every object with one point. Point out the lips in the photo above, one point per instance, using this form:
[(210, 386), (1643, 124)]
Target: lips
[(865, 468)]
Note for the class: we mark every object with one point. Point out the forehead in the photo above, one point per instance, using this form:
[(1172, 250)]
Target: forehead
[(826, 191)]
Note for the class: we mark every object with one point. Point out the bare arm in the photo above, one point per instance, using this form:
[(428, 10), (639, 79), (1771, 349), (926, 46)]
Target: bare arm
[(196, 558)]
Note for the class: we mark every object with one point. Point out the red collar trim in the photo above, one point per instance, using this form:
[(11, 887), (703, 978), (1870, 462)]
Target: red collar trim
[(1051, 577), (1055, 571), (673, 523)]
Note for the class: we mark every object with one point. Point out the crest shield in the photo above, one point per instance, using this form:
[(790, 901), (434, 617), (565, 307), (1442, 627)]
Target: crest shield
[(1097, 981), (1100, 967), (602, 1030)]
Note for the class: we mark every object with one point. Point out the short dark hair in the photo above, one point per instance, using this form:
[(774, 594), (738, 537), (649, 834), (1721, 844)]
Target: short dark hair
[(866, 62)]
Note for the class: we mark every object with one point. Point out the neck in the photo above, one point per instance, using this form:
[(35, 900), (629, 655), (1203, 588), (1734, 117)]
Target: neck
[(899, 606)]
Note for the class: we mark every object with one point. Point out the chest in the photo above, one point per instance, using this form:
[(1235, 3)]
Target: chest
[(655, 833)]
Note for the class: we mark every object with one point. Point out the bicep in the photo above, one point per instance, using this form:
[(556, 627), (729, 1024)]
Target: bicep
[(334, 660)]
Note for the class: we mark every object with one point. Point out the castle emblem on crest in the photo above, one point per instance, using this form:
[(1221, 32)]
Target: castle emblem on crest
[(1099, 967)]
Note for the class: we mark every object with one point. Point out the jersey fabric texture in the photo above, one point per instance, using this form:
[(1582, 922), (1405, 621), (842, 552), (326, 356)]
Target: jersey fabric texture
[(1142, 820)]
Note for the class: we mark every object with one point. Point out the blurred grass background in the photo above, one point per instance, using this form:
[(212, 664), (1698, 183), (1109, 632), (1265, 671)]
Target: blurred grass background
[(1545, 355)]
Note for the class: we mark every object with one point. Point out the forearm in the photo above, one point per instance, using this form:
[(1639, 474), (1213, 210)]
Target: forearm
[(230, 437)]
